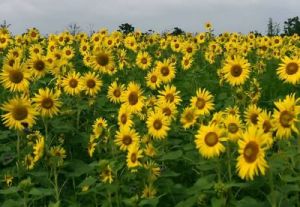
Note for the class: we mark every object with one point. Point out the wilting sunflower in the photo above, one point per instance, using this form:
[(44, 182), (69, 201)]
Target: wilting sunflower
[(72, 83), (125, 117), (59, 154), (132, 98), (15, 78), (91, 83), (251, 114), (209, 140), (166, 70), (38, 148), (188, 117), (29, 162), (285, 116), (143, 60), (106, 175), (99, 126), (202, 102), (169, 94), (236, 70), (47, 102), (115, 92), (289, 70), (149, 191), (251, 160), (126, 137), (20, 113), (158, 125), (38, 65), (234, 127), (133, 156)]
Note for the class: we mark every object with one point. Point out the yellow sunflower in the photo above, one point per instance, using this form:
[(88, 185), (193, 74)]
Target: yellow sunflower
[(289, 70), (115, 92), (152, 79), (133, 156), (15, 78), (236, 70), (166, 70), (19, 113), (209, 140), (167, 108), (72, 83), (188, 117), (101, 60), (125, 117), (251, 158), (47, 102), (158, 125), (251, 114), (38, 65), (234, 127), (169, 94), (202, 102), (99, 126), (126, 137), (38, 148), (91, 83), (143, 60), (133, 97)]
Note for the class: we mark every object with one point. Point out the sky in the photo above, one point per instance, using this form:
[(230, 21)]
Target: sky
[(52, 16)]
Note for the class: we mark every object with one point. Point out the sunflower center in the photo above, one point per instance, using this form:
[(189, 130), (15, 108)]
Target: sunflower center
[(167, 111), (170, 97), (20, 113), (144, 61), (165, 71), (153, 79), (236, 70), (292, 68), (233, 128), (189, 117), (189, 49), (157, 124), (127, 140), (11, 62), (47, 103), (68, 52), (102, 59), (276, 41), (91, 83), (266, 126), (285, 118), (186, 62), (117, 93), (73, 83), (16, 76), (200, 103), (211, 139), (133, 157), (2, 40), (250, 152), (254, 118), (39, 65), (123, 118), (16, 54), (36, 50), (133, 98)]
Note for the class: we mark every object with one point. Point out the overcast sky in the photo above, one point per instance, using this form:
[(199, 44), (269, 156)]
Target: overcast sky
[(158, 15)]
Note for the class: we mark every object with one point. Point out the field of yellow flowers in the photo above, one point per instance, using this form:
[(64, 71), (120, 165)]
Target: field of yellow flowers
[(149, 119)]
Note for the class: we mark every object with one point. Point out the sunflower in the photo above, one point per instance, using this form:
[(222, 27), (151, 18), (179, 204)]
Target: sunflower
[(133, 156), (47, 102), (58, 153), (289, 70), (15, 78), (264, 121), (188, 117), (68, 52), (124, 117), (143, 60), (19, 113), (39, 65), (186, 62), (202, 102), (72, 83), (101, 60), (251, 114), (236, 70), (38, 148), (166, 70), (169, 94), (209, 140), (126, 137), (158, 125), (99, 126), (115, 92), (168, 109), (251, 158), (106, 175), (285, 116), (234, 127), (132, 98), (152, 79), (91, 83), (233, 110), (149, 191), (29, 162), (208, 26)]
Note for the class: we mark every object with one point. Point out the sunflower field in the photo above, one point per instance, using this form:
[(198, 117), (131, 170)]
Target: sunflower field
[(138, 119)]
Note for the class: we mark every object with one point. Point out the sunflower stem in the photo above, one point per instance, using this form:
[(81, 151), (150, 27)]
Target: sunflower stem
[(18, 153), (46, 127), (229, 162), (56, 189)]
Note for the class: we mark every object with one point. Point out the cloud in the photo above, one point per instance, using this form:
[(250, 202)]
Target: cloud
[(159, 15)]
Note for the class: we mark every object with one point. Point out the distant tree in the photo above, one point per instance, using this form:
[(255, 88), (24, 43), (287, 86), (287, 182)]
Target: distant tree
[(292, 26), (4, 25), (73, 28), (273, 28), (177, 31), (126, 28), (91, 29), (256, 33)]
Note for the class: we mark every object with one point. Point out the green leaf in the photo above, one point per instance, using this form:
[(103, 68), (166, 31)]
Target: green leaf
[(151, 202), (10, 190), (248, 202), (174, 155), (190, 202), (41, 191), (12, 203)]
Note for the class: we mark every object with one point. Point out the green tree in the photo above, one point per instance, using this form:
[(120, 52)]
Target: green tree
[(126, 28), (273, 28), (292, 26), (177, 31)]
